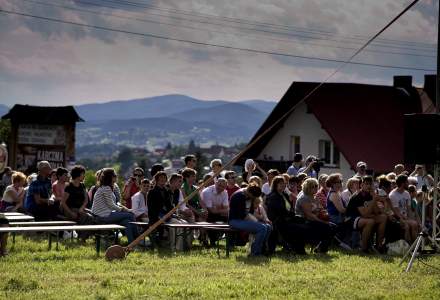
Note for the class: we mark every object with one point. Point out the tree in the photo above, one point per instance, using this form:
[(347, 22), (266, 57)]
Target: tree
[(192, 146), (125, 158), (5, 131)]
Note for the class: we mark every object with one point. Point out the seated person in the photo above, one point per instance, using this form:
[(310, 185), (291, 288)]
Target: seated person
[(59, 185), (106, 210), (215, 199), (75, 198), (401, 202), (240, 208), (361, 215), (38, 199), (195, 204), (14, 194), (139, 201), (307, 209)]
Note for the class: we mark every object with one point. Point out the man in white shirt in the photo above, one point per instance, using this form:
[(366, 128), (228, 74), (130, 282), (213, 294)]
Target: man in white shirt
[(215, 198), (401, 201), (139, 201)]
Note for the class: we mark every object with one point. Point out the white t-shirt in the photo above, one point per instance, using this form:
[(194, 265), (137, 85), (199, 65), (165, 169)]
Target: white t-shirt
[(346, 195), (10, 188), (401, 201), (266, 188), (139, 204), (211, 198)]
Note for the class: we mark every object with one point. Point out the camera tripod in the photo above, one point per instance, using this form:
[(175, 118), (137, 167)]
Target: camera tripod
[(416, 248)]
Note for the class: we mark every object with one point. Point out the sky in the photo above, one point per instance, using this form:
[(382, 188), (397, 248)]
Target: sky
[(43, 62)]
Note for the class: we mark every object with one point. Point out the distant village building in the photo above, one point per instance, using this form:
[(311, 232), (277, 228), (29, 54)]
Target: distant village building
[(41, 133), (342, 123)]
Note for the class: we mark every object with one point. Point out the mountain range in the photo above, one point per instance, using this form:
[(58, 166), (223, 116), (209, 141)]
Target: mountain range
[(156, 121)]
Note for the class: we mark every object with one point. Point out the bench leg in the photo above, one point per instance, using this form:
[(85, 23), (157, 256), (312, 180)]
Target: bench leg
[(228, 238), (50, 240), (98, 244), (58, 240)]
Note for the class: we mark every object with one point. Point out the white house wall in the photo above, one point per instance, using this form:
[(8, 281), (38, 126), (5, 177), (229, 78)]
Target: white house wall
[(303, 124)]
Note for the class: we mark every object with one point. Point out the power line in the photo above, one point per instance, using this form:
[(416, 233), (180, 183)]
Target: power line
[(209, 44), (223, 32), (264, 31), (250, 22)]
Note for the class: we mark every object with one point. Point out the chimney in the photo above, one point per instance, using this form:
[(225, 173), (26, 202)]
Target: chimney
[(402, 81)]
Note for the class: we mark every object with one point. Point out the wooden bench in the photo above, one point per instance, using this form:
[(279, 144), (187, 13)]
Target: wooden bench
[(17, 218), (40, 223), (12, 214), (57, 229), (220, 227)]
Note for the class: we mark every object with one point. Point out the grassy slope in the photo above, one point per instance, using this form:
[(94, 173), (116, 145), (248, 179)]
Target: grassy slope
[(32, 272)]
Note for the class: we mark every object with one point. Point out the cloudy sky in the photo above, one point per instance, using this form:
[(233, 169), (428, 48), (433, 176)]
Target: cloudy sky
[(51, 63)]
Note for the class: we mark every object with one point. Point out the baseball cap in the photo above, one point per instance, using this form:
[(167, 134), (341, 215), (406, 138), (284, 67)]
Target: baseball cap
[(43, 164), (360, 164)]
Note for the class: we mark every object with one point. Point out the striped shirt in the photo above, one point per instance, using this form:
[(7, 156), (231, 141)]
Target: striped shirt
[(104, 202)]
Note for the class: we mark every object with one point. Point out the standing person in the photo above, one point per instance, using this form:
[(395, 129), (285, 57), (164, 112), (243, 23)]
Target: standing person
[(59, 185), (240, 208), (232, 185), (132, 186), (401, 202), (14, 194), (190, 161), (361, 216), (297, 164), (139, 201), (423, 178), (38, 199), (309, 168), (107, 211), (75, 197), (361, 169)]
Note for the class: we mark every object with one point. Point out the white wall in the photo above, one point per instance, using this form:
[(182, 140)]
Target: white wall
[(305, 125)]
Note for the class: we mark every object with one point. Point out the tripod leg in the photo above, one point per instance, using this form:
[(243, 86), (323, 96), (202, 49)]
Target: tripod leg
[(409, 251), (419, 241)]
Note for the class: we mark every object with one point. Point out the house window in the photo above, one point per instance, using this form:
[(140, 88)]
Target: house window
[(295, 146), (329, 152)]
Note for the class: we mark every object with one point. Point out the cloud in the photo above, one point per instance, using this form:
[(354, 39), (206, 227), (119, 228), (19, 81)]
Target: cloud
[(52, 63)]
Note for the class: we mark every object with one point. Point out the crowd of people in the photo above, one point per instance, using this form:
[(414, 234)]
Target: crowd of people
[(268, 208)]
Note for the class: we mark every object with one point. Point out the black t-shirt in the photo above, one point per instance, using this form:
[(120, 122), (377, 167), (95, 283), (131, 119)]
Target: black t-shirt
[(359, 199), (76, 195)]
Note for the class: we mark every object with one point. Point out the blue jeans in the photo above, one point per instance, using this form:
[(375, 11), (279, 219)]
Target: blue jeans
[(122, 218), (260, 230)]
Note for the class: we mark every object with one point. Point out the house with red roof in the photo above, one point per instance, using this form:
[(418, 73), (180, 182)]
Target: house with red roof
[(342, 123)]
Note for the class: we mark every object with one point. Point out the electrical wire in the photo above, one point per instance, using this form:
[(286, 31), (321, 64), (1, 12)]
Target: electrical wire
[(250, 22), (122, 3), (263, 31), (250, 50), (217, 31)]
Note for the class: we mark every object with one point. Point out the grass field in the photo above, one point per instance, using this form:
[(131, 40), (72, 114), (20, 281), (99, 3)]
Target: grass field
[(75, 272)]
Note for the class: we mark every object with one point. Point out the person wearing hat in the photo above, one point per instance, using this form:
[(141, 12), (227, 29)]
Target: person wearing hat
[(38, 199), (361, 169), (297, 164)]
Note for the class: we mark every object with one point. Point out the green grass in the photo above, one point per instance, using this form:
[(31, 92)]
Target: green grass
[(74, 272)]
